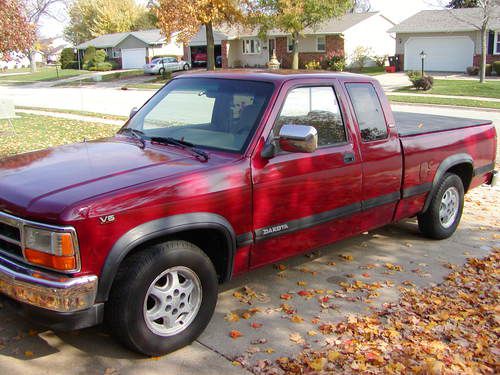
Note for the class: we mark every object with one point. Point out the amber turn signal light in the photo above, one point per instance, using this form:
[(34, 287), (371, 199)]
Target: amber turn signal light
[(62, 263)]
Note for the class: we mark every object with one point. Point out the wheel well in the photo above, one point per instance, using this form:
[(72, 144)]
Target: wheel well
[(211, 241), (464, 171)]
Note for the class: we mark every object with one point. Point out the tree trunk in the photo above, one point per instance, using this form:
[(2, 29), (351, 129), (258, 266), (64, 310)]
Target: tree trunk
[(295, 60), (32, 55), (482, 74), (210, 46)]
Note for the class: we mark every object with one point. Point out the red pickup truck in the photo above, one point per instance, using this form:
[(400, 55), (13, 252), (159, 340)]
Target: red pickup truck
[(218, 174)]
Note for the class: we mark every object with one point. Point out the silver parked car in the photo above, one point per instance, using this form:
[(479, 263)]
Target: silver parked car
[(156, 66)]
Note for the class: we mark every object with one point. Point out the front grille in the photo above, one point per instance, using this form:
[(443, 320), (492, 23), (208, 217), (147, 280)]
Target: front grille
[(10, 237)]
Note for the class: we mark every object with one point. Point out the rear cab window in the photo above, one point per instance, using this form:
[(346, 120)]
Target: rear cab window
[(368, 110)]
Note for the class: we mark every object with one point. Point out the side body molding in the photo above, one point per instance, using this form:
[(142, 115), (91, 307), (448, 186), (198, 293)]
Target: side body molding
[(158, 228), (445, 165)]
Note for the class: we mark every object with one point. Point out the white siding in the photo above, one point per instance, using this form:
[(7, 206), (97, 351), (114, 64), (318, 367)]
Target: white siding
[(371, 33)]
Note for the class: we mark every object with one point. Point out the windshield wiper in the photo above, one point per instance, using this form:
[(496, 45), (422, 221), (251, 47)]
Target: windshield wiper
[(137, 134), (181, 143)]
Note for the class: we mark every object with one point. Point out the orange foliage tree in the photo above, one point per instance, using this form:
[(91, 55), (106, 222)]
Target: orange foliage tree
[(186, 18), (16, 33)]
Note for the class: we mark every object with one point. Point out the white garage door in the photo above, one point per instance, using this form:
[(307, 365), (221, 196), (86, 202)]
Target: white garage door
[(133, 58), (445, 54)]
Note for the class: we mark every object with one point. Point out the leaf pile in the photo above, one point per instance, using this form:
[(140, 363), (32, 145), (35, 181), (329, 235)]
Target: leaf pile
[(452, 328)]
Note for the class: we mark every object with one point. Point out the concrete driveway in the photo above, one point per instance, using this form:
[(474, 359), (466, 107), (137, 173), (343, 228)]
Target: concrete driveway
[(393, 257)]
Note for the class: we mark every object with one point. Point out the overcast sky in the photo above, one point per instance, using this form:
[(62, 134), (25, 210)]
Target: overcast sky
[(396, 10)]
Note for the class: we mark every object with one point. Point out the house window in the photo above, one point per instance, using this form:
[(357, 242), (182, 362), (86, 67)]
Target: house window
[(251, 46), (116, 53), (321, 43), (497, 43), (289, 44)]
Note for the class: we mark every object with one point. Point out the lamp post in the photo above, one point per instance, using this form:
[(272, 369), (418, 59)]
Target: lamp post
[(75, 50), (423, 56)]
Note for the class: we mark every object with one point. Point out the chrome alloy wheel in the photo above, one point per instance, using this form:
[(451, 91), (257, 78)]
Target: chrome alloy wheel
[(172, 301), (448, 210)]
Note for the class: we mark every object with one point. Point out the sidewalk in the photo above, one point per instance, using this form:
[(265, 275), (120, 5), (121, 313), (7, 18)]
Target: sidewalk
[(44, 84), (71, 116), (443, 96)]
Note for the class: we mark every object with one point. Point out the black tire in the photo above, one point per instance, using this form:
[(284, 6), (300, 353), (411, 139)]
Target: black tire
[(429, 222), (161, 71), (186, 67), (124, 309)]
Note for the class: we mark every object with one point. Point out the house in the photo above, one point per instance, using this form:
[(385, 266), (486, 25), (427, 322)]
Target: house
[(448, 38), (135, 48), (339, 36), (53, 47), (18, 60)]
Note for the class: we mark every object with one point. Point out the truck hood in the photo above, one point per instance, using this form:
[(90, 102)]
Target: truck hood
[(44, 183)]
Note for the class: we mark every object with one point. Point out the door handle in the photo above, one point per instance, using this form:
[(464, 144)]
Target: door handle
[(349, 158)]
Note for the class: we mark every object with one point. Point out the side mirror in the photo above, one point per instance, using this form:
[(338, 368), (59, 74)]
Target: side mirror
[(298, 138), (133, 111)]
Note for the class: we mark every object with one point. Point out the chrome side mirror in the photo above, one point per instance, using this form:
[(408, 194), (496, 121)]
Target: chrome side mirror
[(298, 138), (133, 111)]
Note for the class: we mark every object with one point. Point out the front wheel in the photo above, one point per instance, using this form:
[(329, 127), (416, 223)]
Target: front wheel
[(163, 298), (442, 217)]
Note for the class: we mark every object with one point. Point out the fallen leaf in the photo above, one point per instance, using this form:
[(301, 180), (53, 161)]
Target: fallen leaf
[(231, 317), (234, 334)]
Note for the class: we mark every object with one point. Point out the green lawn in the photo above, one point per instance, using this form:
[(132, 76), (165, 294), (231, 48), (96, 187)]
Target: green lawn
[(444, 101), (43, 74), (40, 132), (370, 70), (489, 89)]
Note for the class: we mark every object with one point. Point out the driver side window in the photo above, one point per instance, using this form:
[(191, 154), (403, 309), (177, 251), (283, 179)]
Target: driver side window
[(317, 107)]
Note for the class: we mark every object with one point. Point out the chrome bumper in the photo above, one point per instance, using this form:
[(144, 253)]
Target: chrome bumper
[(47, 291)]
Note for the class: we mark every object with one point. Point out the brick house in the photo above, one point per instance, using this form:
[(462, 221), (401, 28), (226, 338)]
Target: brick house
[(448, 37), (243, 48)]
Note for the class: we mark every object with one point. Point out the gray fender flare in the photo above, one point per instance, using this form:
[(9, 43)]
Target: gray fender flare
[(445, 165), (158, 228)]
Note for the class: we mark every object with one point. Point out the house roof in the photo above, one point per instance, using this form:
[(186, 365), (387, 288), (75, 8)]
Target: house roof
[(446, 20), (111, 40), (332, 26)]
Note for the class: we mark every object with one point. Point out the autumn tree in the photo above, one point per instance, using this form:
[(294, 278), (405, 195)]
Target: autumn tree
[(361, 6), (186, 18), (91, 18), (16, 33), (295, 16)]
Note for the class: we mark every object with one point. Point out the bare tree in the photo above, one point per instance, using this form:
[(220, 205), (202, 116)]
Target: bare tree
[(361, 6), (488, 10), (35, 11)]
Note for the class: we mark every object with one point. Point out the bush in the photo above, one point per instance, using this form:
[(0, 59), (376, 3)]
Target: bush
[(380, 60), (360, 56), (72, 65), (101, 67), (335, 62), (100, 56), (413, 75), (423, 83), (67, 58), (313, 65), (496, 67), (114, 64), (473, 70), (489, 69), (89, 55), (166, 74)]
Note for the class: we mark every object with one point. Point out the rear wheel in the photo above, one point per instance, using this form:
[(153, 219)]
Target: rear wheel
[(161, 71), (186, 67), (445, 210), (163, 298)]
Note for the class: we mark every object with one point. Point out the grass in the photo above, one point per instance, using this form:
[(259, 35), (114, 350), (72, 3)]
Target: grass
[(444, 101), (371, 70), (42, 75), (76, 112), (109, 77), (18, 70), (40, 132), (489, 89), (153, 84)]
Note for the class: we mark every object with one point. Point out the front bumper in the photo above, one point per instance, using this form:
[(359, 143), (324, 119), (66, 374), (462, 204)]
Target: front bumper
[(494, 178), (61, 294)]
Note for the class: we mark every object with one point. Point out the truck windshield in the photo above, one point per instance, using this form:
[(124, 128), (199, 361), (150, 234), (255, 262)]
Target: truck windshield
[(207, 112)]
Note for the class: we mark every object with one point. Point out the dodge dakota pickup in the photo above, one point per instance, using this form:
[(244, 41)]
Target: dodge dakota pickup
[(218, 174)]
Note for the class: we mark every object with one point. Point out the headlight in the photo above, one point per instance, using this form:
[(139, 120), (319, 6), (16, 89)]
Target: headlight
[(56, 250)]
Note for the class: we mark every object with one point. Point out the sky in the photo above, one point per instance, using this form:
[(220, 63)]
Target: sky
[(395, 10)]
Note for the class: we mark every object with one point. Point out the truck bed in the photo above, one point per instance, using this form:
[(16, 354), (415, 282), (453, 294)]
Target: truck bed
[(409, 123)]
